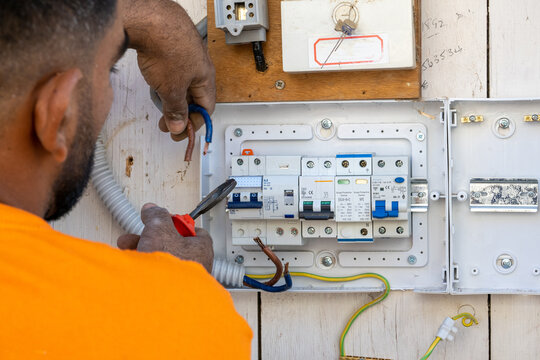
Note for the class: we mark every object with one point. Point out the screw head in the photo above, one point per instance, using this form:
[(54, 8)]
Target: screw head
[(531, 194), (400, 230), (476, 194), (280, 84), (279, 231), (363, 163), (310, 164), (327, 164), (534, 117), (328, 230), (506, 263), (257, 161), (364, 231), (382, 230), (345, 163), (239, 259), (504, 123), (421, 194), (472, 118), (294, 231), (326, 123), (240, 162), (411, 259), (311, 230), (381, 163), (399, 163), (238, 132), (327, 261), (420, 136)]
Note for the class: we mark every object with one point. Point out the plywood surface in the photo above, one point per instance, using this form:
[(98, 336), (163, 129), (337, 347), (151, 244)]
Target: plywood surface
[(238, 81)]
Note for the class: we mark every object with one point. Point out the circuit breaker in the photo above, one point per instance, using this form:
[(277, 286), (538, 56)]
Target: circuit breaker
[(369, 203)]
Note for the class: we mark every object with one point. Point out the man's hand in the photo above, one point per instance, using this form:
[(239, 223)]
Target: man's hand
[(159, 234), (173, 60)]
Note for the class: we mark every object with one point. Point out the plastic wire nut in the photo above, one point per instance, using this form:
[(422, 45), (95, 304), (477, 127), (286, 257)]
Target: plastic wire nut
[(447, 329)]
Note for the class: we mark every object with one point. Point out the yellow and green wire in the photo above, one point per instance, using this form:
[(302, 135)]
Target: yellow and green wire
[(343, 279), (466, 320)]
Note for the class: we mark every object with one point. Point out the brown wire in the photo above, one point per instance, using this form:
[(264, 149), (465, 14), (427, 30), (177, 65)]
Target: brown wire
[(274, 259), (191, 141)]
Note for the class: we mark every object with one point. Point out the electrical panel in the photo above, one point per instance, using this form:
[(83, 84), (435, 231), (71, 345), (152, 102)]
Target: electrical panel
[(437, 196)]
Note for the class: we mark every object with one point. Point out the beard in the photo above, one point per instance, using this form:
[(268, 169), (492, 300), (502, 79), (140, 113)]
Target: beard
[(75, 174)]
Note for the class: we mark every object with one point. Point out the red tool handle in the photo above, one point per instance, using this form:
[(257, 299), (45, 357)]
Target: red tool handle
[(184, 224)]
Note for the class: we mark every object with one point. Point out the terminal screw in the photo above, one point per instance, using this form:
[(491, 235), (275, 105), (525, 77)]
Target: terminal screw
[(294, 231), (327, 164), (327, 261), (257, 161), (364, 231), (328, 230), (472, 118), (311, 230), (400, 230), (382, 230), (279, 231), (238, 132), (506, 263), (411, 259), (504, 123), (363, 163), (399, 163), (345, 163), (310, 164), (381, 163), (239, 259), (240, 162), (326, 124)]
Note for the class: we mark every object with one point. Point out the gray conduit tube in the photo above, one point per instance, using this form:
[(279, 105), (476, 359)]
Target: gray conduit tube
[(227, 273)]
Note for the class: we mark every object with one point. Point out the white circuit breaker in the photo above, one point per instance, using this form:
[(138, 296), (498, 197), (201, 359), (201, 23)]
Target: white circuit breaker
[(438, 196)]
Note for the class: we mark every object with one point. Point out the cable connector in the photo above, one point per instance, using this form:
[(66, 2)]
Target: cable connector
[(447, 329)]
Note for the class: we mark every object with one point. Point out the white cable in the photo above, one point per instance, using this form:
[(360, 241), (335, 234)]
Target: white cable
[(227, 273)]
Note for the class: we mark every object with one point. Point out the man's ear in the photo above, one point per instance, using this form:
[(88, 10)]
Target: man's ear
[(53, 101)]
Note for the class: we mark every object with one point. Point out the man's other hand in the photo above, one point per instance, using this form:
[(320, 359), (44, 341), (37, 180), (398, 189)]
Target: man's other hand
[(173, 60), (159, 234)]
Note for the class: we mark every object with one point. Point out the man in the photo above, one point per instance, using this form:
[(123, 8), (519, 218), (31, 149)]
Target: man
[(67, 298)]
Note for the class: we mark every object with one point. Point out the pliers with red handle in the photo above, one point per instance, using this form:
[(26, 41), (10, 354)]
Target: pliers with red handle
[(185, 224)]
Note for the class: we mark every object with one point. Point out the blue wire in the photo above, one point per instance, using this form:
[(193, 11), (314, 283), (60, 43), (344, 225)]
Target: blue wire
[(258, 285), (207, 121)]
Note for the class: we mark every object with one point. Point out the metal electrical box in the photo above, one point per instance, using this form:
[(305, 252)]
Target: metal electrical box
[(438, 196)]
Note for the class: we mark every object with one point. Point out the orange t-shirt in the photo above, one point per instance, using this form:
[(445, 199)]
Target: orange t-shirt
[(67, 298)]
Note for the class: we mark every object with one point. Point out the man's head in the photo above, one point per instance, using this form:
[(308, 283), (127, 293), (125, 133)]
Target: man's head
[(55, 93)]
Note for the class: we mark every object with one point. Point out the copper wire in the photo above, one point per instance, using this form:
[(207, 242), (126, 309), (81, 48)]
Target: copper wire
[(191, 140)]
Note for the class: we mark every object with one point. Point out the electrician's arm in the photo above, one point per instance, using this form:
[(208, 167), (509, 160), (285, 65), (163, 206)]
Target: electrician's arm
[(173, 60)]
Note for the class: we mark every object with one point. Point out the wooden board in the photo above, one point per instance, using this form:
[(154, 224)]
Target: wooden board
[(238, 81), (308, 326), (514, 70)]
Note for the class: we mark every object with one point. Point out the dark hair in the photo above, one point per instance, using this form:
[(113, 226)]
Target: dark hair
[(38, 37)]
